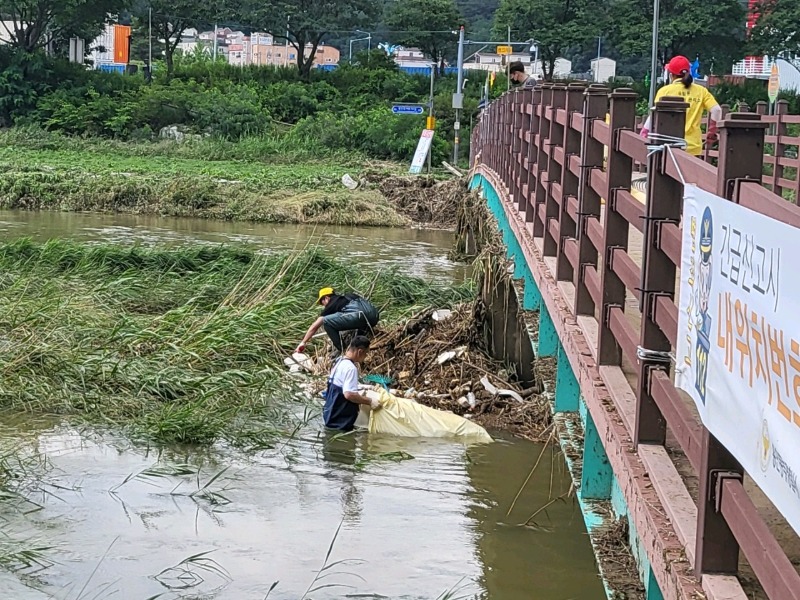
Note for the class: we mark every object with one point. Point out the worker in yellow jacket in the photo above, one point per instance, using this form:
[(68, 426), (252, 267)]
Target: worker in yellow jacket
[(699, 100)]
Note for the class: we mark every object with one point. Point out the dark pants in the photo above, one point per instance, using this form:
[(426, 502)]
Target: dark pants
[(362, 321)]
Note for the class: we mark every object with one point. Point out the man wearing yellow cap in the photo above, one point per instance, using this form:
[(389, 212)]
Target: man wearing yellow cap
[(348, 312)]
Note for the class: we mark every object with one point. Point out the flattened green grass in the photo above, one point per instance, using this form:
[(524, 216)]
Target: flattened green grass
[(181, 346), (203, 179)]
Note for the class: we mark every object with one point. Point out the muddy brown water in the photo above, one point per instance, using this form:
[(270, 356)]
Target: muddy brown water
[(416, 518), (419, 252)]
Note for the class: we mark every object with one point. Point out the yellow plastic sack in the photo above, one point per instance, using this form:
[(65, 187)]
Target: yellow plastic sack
[(406, 418)]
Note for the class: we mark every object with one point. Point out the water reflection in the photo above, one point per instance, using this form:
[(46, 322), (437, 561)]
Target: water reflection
[(422, 253), (415, 517)]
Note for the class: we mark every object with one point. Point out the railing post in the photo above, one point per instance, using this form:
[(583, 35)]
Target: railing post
[(554, 140), (591, 153), (533, 152), (781, 109), (569, 181), (513, 147), (533, 129), (503, 149), (487, 155), (664, 201), (542, 186), (508, 171), (615, 227), (525, 150), (741, 156)]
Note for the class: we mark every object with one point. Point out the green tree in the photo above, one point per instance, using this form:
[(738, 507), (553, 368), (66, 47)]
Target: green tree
[(777, 31), (33, 24), (306, 23), (429, 25), (171, 18), (479, 17), (714, 31), (555, 25)]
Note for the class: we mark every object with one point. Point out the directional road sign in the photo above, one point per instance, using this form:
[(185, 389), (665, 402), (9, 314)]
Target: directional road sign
[(408, 109)]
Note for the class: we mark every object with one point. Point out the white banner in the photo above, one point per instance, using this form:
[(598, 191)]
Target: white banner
[(738, 351), (421, 154)]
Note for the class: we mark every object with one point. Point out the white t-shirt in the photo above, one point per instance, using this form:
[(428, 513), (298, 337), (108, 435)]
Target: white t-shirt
[(345, 375)]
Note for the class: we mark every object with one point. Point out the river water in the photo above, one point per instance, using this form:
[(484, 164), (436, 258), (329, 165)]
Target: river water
[(416, 518), (419, 252)]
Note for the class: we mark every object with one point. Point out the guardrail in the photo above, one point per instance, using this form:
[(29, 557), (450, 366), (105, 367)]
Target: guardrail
[(569, 172), (781, 149)]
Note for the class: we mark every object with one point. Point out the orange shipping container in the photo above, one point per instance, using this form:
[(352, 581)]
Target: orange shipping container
[(122, 36)]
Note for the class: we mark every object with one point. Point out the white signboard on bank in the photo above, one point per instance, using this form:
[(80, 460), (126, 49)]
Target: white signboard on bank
[(421, 154), (738, 350)]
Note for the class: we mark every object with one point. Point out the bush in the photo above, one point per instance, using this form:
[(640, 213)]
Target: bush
[(376, 133)]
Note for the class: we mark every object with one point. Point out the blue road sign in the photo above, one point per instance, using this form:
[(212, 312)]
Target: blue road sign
[(408, 109)]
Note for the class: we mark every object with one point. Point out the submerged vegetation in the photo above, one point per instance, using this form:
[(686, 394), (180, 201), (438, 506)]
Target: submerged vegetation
[(181, 346)]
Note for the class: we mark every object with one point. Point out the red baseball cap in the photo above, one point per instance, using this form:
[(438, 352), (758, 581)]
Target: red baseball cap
[(679, 65)]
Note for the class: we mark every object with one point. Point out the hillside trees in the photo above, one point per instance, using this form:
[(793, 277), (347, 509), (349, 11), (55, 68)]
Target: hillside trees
[(714, 31), (31, 25), (555, 25), (429, 25), (306, 23), (777, 30)]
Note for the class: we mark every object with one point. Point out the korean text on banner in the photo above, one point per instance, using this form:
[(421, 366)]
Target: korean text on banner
[(738, 350)]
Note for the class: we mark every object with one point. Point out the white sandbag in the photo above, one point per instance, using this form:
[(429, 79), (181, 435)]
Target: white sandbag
[(300, 360)]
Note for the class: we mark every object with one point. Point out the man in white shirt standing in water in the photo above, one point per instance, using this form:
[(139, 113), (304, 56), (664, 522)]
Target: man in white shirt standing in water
[(342, 399)]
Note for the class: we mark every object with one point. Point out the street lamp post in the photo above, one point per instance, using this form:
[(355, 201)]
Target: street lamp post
[(654, 53), (351, 46), (458, 97), (368, 38)]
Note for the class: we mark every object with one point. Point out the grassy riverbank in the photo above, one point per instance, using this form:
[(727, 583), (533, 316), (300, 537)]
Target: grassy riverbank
[(172, 346), (258, 179)]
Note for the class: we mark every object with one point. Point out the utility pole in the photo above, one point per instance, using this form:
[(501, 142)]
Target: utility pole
[(597, 64), (216, 38), (150, 44), (430, 114), (286, 51), (508, 62), (458, 97), (654, 53)]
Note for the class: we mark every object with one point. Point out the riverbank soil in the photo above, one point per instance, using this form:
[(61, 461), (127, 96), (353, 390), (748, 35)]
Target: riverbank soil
[(200, 180)]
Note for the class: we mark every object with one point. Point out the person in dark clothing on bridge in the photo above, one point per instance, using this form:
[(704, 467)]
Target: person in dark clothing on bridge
[(348, 312), (342, 398), (517, 74)]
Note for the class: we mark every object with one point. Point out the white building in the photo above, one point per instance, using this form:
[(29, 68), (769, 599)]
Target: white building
[(496, 63), (490, 61), (603, 69), (411, 57)]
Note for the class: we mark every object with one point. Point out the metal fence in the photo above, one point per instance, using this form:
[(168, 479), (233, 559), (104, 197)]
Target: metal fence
[(567, 156)]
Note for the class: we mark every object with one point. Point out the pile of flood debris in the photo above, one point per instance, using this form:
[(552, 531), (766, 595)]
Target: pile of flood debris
[(424, 200), (436, 358)]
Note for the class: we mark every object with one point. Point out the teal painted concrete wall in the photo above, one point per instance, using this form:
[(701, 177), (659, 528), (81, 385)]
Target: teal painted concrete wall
[(597, 477)]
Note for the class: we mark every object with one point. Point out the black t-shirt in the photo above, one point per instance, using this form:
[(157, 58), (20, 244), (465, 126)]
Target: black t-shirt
[(337, 303)]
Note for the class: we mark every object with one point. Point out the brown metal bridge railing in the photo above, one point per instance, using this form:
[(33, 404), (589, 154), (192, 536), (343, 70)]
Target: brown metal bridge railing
[(568, 173)]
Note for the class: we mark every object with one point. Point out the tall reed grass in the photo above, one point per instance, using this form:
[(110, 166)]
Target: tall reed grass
[(179, 346)]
